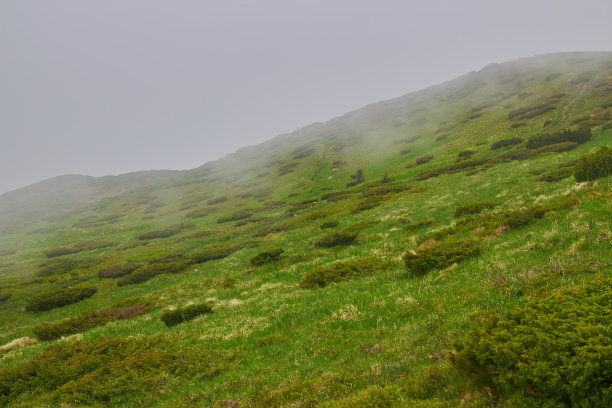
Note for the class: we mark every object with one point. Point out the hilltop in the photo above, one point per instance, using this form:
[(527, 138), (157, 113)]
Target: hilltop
[(431, 250)]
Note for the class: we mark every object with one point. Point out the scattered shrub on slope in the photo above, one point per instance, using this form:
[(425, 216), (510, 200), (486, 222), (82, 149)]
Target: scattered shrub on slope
[(578, 136), (60, 297), (411, 226), (268, 255), (506, 142), (329, 224), (424, 159), (594, 165), (341, 271), (117, 271), (358, 178), (553, 351), (182, 315), (90, 319), (440, 255), (164, 232)]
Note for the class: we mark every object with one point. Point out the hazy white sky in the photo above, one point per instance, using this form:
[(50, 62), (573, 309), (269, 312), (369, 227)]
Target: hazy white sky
[(103, 87)]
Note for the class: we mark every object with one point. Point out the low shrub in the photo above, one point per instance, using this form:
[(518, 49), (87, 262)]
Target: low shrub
[(287, 168), (440, 255), (423, 159), (343, 237), (60, 297), (329, 224), (200, 212), (453, 168), (337, 196), (237, 215), (474, 208), (532, 111), (90, 319), (217, 250), (79, 247), (165, 232), (266, 256), (406, 151), (105, 372), (551, 351), (303, 152), (578, 136), (340, 271), (466, 154), (358, 178), (557, 174), (117, 271), (152, 269), (4, 296), (506, 142), (594, 165), (65, 265), (411, 226), (216, 200), (370, 202), (182, 315)]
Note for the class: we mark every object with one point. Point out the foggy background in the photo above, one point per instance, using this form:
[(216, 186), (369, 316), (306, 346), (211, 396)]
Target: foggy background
[(102, 87)]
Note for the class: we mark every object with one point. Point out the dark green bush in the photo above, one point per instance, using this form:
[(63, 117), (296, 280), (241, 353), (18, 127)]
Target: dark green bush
[(340, 271), (506, 142), (358, 178), (424, 159), (370, 202), (406, 151), (594, 165), (182, 315), (214, 251), (237, 215), (474, 208), (343, 237), (531, 111), (216, 200), (117, 271), (4, 296), (60, 297), (200, 212), (578, 136), (557, 174), (164, 232), (152, 269), (80, 247), (554, 351), (337, 195), (90, 319), (107, 372), (287, 168), (329, 224), (411, 226), (453, 168), (268, 255), (440, 255), (52, 253), (303, 152), (466, 154)]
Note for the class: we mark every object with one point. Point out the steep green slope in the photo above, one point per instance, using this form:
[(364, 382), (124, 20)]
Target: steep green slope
[(346, 263)]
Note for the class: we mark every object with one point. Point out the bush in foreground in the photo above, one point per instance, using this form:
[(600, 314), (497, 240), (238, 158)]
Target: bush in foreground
[(440, 255), (553, 351), (178, 316), (268, 255), (594, 165), (60, 297), (343, 237)]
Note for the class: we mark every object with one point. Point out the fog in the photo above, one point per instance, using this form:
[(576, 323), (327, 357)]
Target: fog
[(111, 86)]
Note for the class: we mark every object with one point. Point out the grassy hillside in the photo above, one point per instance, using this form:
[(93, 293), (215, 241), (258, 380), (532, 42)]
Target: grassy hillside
[(433, 250)]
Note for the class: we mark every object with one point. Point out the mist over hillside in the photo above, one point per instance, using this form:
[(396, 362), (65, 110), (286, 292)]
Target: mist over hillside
[(450, 247)]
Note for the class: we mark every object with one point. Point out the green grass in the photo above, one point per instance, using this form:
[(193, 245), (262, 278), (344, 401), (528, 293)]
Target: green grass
[(370, 334)]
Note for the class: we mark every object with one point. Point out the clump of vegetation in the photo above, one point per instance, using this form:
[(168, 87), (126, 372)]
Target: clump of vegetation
[(340, 271), (474, 208), (303, 152), (4, 296), (287, 168), (506, 142), (329, 224), (557, 174), (533, 111), (237, 215), (358, 178), (337, 196), (60, 297), (92, 318), (466, 154), (411, 226), (301, 205), (172, 263), (370, 202), (63, 265), (266, 256), (217, 250), (552, 351), (578, 136), (106, 371), (79, 247), (185, 314), (405, 151), (440, 255), (344, 236), (594, 165), (423, 159), (117, 271), (453, 168), (165, 232), (216, 200), (199, 213)]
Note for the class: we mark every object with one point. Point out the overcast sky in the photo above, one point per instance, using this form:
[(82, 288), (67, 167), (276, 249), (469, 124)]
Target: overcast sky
[(103, 87)]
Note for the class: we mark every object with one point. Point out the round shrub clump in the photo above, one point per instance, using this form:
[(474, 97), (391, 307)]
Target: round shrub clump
[(178, 316), (60, 297), (268, 255), (595, 165), (440, 255)]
